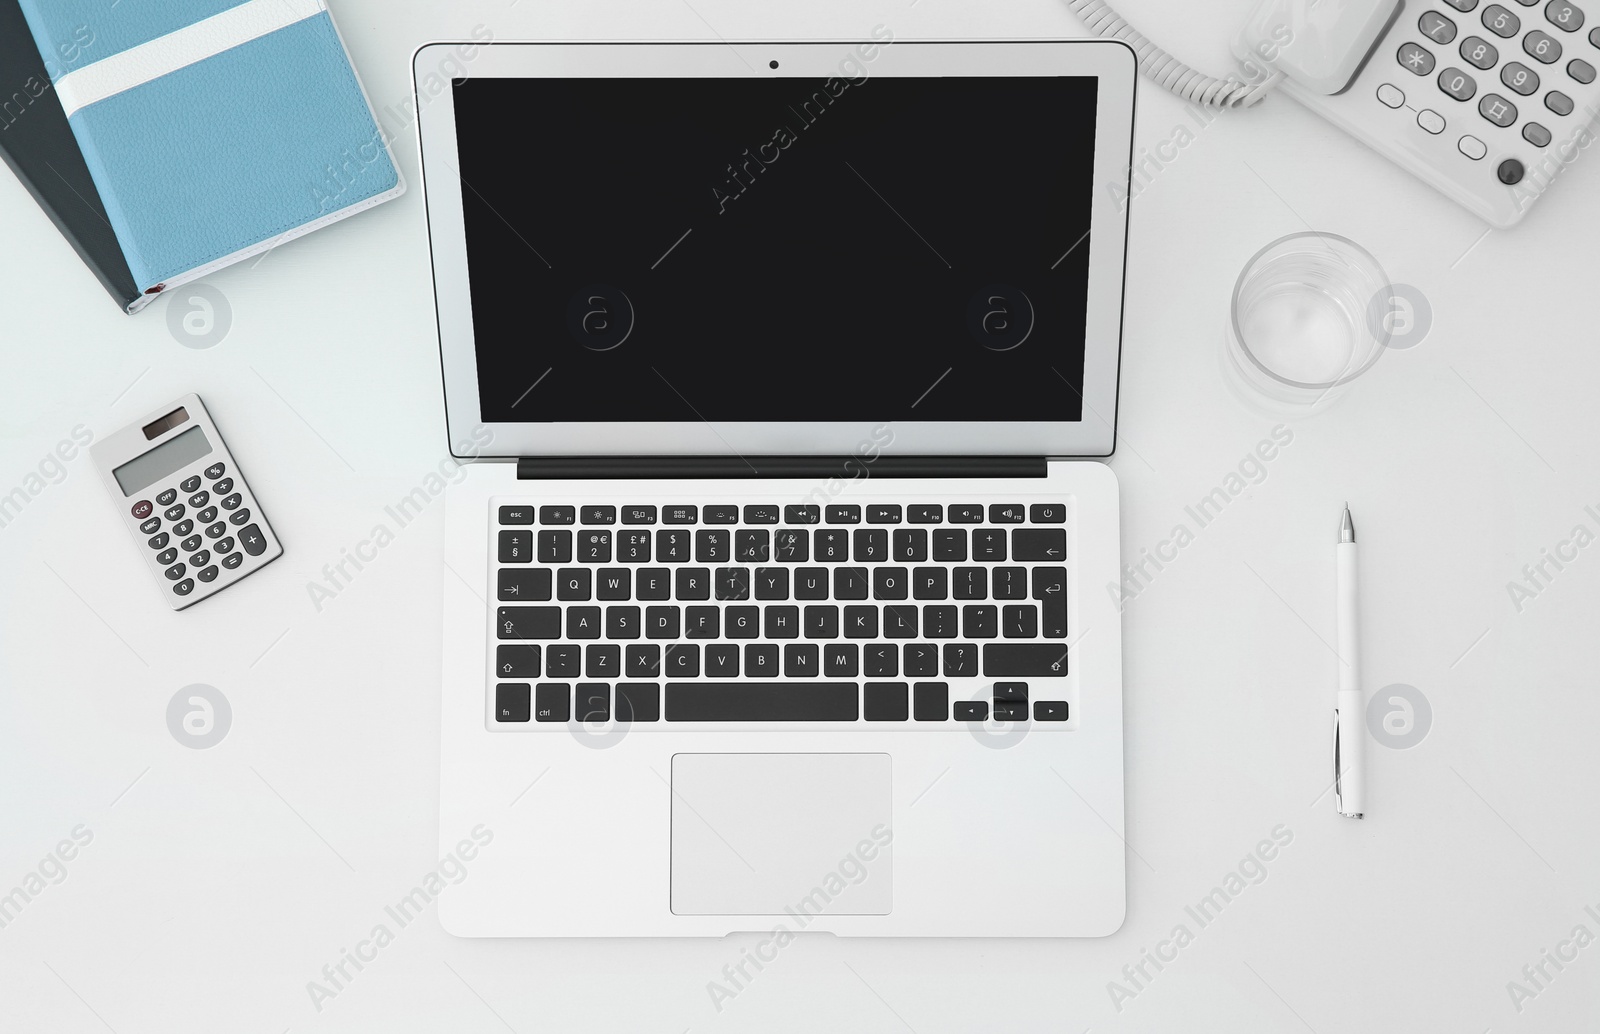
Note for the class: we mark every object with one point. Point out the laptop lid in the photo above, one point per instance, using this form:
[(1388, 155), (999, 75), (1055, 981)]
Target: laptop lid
[(712, 249)]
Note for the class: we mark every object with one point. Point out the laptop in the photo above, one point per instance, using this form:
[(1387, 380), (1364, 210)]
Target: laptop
[(780, 568)]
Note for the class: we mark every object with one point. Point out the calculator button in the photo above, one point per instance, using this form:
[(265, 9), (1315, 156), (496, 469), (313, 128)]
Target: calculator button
[(232, 560), (1437, 27), (182, 528), (184, 587), (1563, 15), (1536, 134), (1414, 59), (1520, 77), (151, 525), (167, 557), (159, 541), (1558, 102), (175, 572), (1510, 172), (1473, 148), (1431, 120), (191, 543), (201, 559), (167, 498), (1497, 109), (254, 542), (216, 470), (508, 514), (1542, 46), (143, 509), (216, 530), (240, 517), (1581, 70), (207, 574), (1391, 96), (1458, 84), (557, 514), (207, 515), (231, 501), (173, 512), (1500, 21), (223, 545), (190, 484), (1594, 36), (1479, 52), (200, 499), (1462, 5), (223, 487)]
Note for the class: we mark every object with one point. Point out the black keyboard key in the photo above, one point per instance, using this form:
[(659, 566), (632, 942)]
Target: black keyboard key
[(239, 517), (850, 583), (223, 546), (1049, 710), (921, 659), (613, 583), (925, 513), (711, 547), (802, 514), (885, 702), (702, 622), (167, 498), (516, 662), (961, 660), (218, 529), (950, 544), (564, 661), (872, 545), (573, 584), (969, 583), (833, 547), (513, 702), (150, 526), (694, 583), (883, 513), (672, 547), (594, 547), (733, 583), (811, 583), (742, 622), (583, 622), (638, 702), (989, 544), (623, 622), (930, 583), (201, 559), (662, 622), (183, 528), (890, 583), (229, 502), (972, 710), (599, 515), (207, 574), (1044, 544), (557, 514), (633, 547), (900, 622), (167, 556), (966, 513), (763, 702), (1005, 712), (190, 484), (552, 702), (233, 560), (844, 514), (1024, 659), (783, 622), (173, 512), (930, 701), (1011, 692), (207, 515), (980, 621), (190, 544), (555, 547), (638, 515), (216, 470), (528, 623), (654, 583), (910, 545), (861, 622), (752, 547), (200, 499), (680, 515), (1048, 513), (1006, 513), (792, 546), (643, 661), (516, 547), (821, 622), (602, 661), (1050, 589), (881, 660), (1010, 583), (682, 660), (594, 701), (801, 661), (761, 513), (722, 661), (760, 661), (720, 514), (939, 622), (184, 587), (772, 583), (841, 660), (160, 541)]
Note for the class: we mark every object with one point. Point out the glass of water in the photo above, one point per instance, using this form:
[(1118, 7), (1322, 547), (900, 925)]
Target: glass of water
[(1301, 327)]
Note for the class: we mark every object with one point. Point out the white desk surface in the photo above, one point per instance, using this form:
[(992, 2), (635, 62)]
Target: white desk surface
[(219, 882)]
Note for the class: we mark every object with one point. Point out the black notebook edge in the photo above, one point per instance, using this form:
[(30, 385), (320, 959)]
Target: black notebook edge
[(39, 147)]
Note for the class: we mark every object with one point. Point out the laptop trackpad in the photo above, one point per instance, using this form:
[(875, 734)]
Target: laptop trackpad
[(765, 834)]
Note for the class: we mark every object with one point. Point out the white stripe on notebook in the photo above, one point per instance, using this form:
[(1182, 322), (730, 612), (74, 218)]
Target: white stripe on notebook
[(138, 65)]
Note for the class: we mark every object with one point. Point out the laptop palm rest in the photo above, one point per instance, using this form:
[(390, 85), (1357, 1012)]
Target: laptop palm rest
[(775, 834)]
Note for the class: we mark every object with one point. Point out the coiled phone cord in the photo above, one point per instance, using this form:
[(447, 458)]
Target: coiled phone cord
[(1167, 71)]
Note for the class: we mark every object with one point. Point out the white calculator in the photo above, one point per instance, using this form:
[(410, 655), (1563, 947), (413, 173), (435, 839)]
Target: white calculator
[(185, 502)]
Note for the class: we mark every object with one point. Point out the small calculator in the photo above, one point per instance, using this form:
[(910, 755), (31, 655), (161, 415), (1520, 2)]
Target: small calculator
[(185, 502)]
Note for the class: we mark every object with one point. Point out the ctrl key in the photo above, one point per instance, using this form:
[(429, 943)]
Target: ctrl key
[(553, 702), (512, 702)]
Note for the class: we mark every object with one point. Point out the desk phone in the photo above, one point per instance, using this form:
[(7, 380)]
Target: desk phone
[(183, 498)]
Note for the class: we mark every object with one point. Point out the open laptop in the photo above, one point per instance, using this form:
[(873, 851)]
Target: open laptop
[(787, 605)]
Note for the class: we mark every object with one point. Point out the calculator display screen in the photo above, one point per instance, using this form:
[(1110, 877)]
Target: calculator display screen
[(778, 249), (162, 461)]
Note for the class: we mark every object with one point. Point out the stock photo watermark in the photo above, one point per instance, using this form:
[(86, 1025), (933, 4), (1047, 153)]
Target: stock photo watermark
[(1400, 316), (1399, 716), (857, 466), (1539, 575), (50, 872), (1538, 975), (24, 95), (51, 470), (198, 315), (199, 716)]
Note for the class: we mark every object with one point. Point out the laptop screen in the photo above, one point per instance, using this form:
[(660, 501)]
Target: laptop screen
[(778, 249)]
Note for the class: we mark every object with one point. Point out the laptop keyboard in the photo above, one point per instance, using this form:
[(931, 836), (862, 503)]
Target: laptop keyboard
[(758, 613)]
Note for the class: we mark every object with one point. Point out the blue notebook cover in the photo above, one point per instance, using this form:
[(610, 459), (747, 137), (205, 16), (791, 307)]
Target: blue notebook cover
[(215, 129)]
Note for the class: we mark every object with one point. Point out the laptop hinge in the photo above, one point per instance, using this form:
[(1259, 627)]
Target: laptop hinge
[(553, 468)]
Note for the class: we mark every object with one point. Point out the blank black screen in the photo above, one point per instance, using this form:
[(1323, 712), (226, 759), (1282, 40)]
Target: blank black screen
[(778, 249)]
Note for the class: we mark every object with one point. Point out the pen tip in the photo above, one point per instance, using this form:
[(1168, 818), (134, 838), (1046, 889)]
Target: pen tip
[(1347, 526)]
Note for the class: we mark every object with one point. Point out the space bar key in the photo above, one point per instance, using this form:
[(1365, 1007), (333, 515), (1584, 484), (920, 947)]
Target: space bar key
[(763, 702)]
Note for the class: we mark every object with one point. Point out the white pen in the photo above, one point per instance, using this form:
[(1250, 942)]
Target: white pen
[(1349, 741)]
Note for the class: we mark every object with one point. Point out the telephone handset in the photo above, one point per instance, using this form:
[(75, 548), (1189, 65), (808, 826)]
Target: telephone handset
[(1487, 102)]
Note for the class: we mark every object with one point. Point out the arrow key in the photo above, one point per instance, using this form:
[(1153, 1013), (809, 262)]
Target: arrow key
[(1047, 544)]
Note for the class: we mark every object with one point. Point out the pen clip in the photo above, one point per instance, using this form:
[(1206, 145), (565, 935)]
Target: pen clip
[(1338, 795)]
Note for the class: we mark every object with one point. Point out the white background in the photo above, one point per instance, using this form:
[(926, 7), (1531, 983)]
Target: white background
[(219, 882)]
